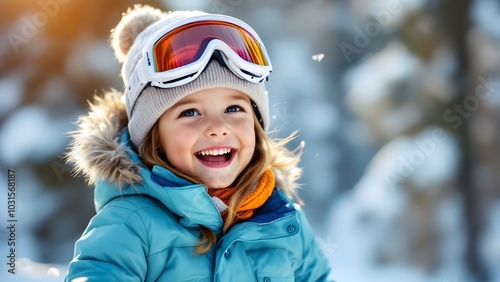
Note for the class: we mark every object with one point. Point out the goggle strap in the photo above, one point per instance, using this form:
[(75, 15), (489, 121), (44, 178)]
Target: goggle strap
[(134, 87), (257, 114)]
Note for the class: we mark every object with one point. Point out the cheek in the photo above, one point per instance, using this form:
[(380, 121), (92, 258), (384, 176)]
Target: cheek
[(247, 137), (177, 145), (174, 143)]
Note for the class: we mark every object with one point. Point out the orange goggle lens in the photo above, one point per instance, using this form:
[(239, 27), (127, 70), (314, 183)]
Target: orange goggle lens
[(186, 44)]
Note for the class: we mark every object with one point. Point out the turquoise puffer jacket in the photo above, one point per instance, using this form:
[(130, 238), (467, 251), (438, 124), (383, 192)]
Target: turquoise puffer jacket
[(148, 230)]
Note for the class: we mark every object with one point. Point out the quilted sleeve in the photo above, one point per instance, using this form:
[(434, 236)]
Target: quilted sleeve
[(112, 248)]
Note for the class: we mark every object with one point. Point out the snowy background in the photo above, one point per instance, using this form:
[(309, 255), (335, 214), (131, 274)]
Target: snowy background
[(397, 101)]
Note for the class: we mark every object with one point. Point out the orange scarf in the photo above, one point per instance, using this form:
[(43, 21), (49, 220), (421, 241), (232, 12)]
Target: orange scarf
[(257, 198)]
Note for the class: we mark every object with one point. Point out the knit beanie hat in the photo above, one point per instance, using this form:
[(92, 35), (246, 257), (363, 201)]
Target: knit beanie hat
[(129, 38)]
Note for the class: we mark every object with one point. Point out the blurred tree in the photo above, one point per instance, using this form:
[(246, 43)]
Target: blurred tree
[(456, 22)]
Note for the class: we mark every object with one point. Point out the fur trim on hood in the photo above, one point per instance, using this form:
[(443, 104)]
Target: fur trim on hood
[(96, 150), (99, 155)]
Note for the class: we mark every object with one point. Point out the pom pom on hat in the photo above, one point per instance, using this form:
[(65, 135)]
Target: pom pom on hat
[(133, 22)]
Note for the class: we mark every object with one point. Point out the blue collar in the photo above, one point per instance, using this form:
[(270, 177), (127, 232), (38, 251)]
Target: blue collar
[(276, 207)]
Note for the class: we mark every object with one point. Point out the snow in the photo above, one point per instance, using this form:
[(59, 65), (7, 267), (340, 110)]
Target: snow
[(378, 218), (42, 204), (352, 255), (300, 76), (322, 159), (91, 58), (31, 271), (485, 14), (11, 88), (388, 13), (57, 91), (448, 220), (399, 119), (318, 57), (441, 157), (195, 5), (100, 59), (32, 134), (368, 88), (490, 243), (322, 117)]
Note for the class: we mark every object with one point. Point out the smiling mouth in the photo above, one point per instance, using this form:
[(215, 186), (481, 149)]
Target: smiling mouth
[(216, 157)]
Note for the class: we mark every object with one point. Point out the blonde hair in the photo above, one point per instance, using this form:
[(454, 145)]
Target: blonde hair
[(269, 153)]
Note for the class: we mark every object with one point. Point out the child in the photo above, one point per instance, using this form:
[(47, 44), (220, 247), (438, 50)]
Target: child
[(188, 187)]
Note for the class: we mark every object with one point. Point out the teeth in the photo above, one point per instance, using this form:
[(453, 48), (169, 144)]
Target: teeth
[(214, 152)]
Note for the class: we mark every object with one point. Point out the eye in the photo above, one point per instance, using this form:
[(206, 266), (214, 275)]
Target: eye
[(189, 113), (234, 109)]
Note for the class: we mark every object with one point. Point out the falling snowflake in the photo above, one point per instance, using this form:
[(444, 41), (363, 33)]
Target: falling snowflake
[(318, 57)]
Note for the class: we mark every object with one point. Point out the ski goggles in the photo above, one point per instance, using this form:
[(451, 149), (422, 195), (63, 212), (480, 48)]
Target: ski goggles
[(178, 53)]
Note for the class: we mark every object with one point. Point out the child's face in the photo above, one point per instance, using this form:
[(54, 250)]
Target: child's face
[(210, 135)]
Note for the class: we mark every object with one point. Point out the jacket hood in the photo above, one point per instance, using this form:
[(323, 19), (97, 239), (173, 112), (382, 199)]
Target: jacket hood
[(96, 149), (98, 153)]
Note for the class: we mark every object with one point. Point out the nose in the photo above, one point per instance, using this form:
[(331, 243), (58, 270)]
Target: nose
[(216, 127)]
